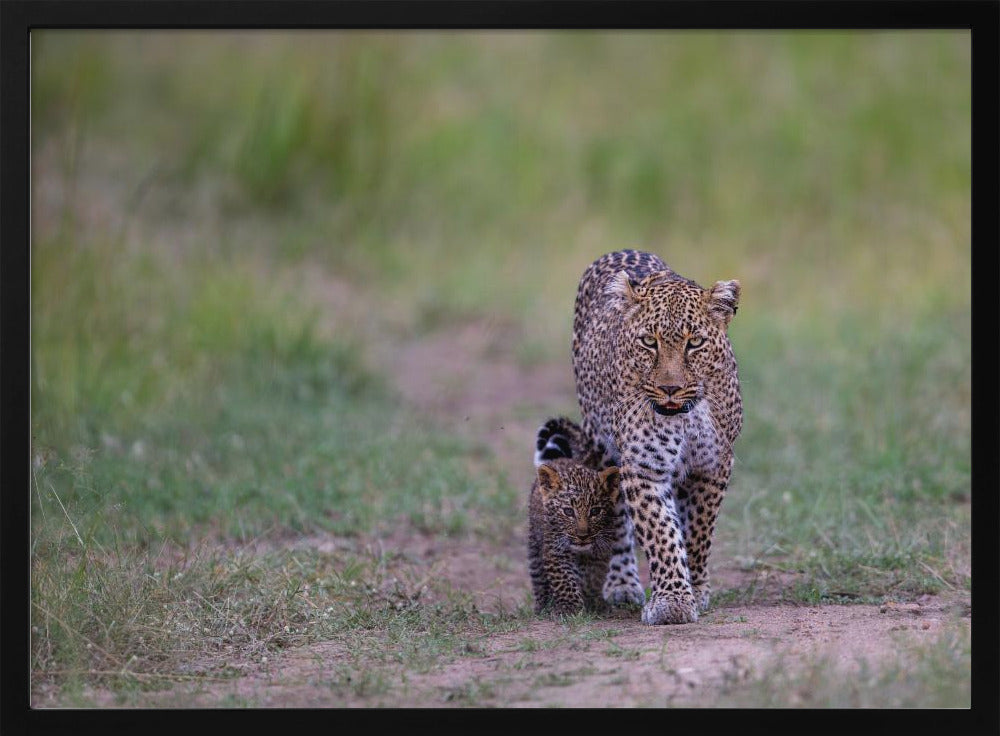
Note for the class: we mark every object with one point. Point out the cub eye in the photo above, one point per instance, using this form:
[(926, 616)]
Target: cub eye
[(568, 510), (597, 511), (695, 342), (649, 341)]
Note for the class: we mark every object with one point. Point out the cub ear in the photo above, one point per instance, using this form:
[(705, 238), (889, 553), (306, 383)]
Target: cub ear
[(610, 479), (548, 480), (723, 300)]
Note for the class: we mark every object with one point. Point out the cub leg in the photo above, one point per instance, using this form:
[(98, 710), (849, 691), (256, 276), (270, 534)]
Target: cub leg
[(565, 586), (594, 571), (536, 568)]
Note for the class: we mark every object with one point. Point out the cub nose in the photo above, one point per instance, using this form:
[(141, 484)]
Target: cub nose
[(669, 389)]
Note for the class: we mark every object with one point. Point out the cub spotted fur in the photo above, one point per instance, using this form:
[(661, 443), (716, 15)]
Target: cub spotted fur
[(570, 532)]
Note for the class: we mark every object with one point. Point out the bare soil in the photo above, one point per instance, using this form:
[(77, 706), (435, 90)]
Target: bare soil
[(636, 665), (613, 662)]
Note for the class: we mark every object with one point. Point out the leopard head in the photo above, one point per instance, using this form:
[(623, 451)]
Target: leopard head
[(672, 340), (579, 505)]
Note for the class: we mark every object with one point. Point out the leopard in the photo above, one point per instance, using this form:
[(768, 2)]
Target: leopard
[(659, 394), (570, 512)]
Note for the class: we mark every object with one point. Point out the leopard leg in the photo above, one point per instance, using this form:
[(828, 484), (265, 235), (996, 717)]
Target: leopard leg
[(657, 527), (698, 501), (622, 585)]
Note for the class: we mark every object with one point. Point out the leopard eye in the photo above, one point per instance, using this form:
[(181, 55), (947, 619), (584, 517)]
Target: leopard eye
[(695, 342), (596, 512), (568, 510), (648, 341)]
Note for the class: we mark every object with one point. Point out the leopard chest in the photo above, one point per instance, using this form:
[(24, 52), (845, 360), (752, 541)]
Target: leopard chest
[(666, 448)]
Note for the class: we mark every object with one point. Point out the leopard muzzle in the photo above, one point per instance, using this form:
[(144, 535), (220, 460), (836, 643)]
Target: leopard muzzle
[(672, 400)]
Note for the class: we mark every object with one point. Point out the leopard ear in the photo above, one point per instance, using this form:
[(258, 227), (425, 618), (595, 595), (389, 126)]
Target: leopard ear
[(723, 301), (611, 479), (548, 480), (623, 286), (631, 290)]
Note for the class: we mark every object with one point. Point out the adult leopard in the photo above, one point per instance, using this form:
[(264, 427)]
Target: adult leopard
[(659, 393)]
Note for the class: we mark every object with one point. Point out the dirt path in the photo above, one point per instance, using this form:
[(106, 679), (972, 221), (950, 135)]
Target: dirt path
[(614, 662), (618, 664)]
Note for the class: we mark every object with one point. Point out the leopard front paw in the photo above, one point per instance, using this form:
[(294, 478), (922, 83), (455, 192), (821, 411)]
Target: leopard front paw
[(670, 609), (624, 592)]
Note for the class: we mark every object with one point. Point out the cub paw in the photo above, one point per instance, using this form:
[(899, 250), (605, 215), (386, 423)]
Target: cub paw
[(566, 608), (662, 609), (624, 593)]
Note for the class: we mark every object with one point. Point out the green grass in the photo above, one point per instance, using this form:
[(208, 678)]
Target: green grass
[(190, 383), (134, 621), (855, 458), (191, 405), (205, 405), (746, 154)]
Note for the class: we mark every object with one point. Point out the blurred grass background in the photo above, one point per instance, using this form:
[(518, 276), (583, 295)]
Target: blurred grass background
[(189, 187)]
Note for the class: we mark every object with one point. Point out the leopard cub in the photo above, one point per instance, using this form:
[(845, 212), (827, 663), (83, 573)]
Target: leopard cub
[(571, 515)]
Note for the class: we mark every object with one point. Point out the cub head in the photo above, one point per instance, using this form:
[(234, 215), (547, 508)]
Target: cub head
[(579, 504), (672, 340)]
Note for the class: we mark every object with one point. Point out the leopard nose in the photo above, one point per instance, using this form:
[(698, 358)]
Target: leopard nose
[(669, 389)]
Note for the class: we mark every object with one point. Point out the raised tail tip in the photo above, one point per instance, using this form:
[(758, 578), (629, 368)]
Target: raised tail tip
[(552, 441)]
